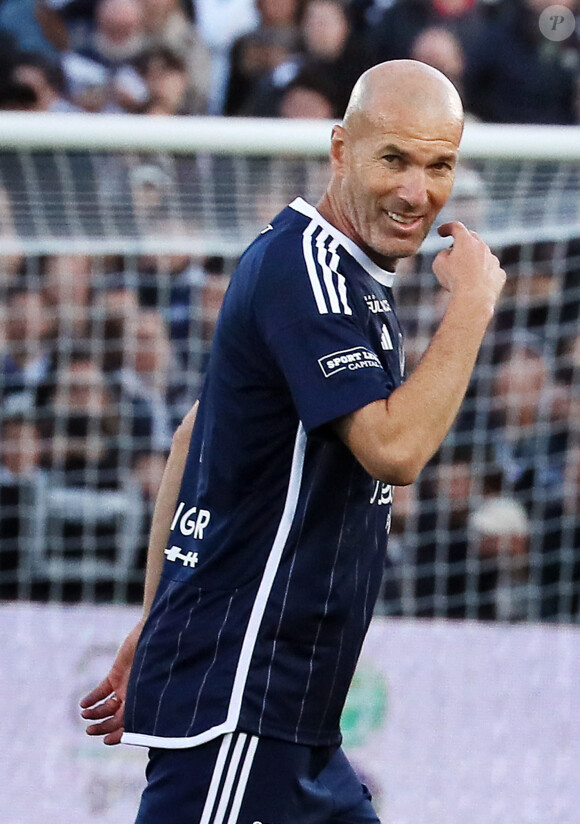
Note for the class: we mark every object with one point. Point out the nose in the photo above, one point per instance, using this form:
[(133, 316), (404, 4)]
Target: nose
[(412, 187)]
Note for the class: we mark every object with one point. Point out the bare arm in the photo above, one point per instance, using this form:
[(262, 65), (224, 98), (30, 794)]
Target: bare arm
[(394, 438), (165, 504), (105, 704)]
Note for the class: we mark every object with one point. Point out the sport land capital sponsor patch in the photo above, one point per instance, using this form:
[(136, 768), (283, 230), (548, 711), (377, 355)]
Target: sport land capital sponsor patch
[(359, 357)]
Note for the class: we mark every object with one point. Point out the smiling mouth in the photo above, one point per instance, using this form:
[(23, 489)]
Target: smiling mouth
[(405, 220)]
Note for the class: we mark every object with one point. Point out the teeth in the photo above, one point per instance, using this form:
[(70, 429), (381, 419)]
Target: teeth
[(401, 218)]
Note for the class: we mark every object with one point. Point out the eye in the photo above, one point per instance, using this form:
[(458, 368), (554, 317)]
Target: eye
[(442, 166), (391, 158)]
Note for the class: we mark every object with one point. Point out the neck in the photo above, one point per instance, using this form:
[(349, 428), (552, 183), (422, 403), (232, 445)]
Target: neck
[(330, 211)]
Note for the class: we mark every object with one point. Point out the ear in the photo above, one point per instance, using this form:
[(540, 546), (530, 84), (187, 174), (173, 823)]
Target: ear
[(338, 149)]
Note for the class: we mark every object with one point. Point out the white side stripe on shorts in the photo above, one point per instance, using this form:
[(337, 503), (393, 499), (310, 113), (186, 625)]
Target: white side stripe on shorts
[(216, 778), (222, 790), (243, 780)]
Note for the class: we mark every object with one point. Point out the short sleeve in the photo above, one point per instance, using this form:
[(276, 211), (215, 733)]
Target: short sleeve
[(309, 308), (330, 368)]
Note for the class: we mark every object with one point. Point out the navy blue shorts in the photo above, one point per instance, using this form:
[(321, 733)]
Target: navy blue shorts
[(242, 779)]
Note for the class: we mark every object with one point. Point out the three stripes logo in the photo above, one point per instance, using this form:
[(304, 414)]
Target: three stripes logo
[(328, 284), (386, 340), (229, 779)]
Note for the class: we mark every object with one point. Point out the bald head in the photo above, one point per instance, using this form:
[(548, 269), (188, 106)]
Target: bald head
[(403, 84), (393, 158)]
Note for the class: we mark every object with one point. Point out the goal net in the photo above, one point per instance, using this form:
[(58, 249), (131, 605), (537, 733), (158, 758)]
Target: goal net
[(117, 238), (118, 235)]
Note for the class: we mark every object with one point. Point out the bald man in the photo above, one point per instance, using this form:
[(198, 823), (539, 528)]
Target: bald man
[(269, 536)]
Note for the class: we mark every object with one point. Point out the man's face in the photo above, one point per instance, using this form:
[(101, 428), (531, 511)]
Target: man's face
[(396, 173)]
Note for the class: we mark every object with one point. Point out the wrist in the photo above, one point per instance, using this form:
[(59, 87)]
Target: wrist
[(473, 304)]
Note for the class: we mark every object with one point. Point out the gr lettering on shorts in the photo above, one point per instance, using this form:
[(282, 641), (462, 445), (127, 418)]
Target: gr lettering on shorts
[(359, 357)]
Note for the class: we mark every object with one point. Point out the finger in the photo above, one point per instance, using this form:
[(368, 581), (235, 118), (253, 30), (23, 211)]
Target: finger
[(111, 724), (100, 692), (102, 710), (114, 737), (451, 229)]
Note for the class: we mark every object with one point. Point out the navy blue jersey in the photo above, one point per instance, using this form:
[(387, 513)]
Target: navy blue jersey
[(278, 542)]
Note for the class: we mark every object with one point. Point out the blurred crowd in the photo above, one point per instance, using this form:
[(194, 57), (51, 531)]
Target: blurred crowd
[(101, 355), (492, 528), (279, 58)]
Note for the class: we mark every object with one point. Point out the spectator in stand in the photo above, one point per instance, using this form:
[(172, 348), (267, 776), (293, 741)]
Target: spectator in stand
[(120, 34), (307, 96), (68, 24), (516, 75), (188, 291), (257, 54), (167, 23), (66, 286), (148, 471), (152, 190), (220, 24), (441, 48), (472, 558), (529, 428), (104, 73), (395, 30), (25, 363), (114, 296), (498, 559), (441, 550), (333, 48), (533, 294), (332, 57), (169, 29), (20, 470), (310, 94), (169, 89), (20, 444), (159, 374), (146, 421), (47, 80), (558, 546), (146, 418), (13, 267), (20, 19), (81, 424)]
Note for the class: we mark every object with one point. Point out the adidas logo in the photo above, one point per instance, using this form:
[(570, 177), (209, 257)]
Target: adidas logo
[(386, 341)]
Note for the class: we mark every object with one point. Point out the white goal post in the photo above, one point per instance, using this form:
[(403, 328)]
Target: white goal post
[(73, 180), (256, 136)]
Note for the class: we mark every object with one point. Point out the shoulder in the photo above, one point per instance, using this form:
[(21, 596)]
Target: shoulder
[(306, 262), (277, 256), (296, 268)]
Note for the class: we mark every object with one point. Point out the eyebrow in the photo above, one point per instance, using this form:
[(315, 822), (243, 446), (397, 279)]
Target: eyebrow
[(392, 148)]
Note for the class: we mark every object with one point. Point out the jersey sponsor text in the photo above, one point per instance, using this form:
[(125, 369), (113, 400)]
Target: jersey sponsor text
[(356, 358), (187, 521)]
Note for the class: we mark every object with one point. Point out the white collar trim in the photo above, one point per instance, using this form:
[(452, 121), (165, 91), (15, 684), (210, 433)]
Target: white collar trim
[(374, 270)]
